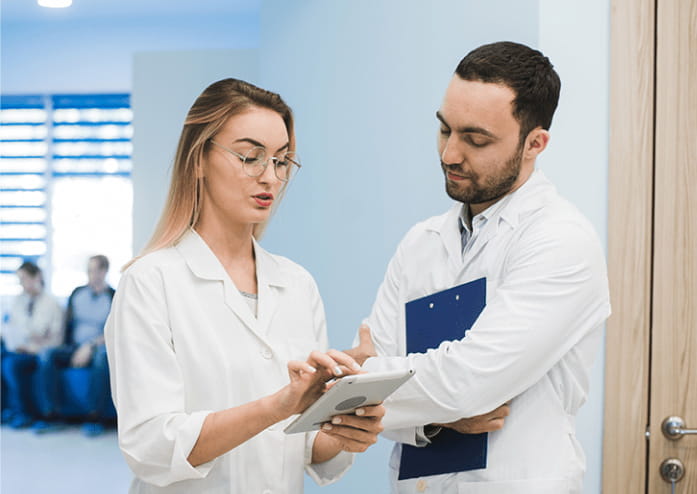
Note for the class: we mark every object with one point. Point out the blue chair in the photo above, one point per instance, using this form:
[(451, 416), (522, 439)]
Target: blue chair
[(73, 403)]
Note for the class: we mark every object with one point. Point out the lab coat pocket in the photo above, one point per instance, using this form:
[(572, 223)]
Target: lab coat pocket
[(527, 486)]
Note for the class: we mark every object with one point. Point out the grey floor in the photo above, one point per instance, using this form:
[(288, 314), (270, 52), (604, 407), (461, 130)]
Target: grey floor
[(64, 462)]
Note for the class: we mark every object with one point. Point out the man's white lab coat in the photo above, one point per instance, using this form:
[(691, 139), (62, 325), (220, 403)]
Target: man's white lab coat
[(182, 342), (533, 345)]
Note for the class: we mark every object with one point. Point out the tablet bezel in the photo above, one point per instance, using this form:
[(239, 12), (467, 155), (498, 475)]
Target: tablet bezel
[(374, 386)]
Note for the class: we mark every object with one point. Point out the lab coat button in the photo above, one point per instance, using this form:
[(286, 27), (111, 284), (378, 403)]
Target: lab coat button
[(266, 353), (421, 485)]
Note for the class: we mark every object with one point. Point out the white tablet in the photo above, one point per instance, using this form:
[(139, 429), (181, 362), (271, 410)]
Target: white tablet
[(346, 395)]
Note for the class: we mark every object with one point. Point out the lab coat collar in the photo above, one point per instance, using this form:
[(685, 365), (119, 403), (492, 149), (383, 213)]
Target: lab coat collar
[(449, 230), (269, 271), (199, 257), (532, 195), (204, 264), (448, 227), (528, 197)]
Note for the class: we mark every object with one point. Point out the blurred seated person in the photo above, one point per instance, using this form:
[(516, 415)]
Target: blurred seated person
[(34, 323), (87, 310)]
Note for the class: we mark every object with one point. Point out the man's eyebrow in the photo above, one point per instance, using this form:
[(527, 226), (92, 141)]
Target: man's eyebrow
[(470, 129), (442, 120), (257, 143)]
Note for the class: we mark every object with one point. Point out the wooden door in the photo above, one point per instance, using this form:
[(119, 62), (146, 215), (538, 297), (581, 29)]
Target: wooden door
[(673, 389), (651, 352)]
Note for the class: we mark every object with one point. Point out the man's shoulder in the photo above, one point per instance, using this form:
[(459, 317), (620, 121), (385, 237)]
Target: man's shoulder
[(433, 225), (539, 205), (556, 225), (556, 213), (78, 289)]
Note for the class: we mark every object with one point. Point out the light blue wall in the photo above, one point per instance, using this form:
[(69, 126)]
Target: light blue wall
[(95, 55), (575, 36)]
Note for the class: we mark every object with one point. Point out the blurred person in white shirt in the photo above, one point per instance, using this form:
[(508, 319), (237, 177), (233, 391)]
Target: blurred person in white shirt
[(34, 323)]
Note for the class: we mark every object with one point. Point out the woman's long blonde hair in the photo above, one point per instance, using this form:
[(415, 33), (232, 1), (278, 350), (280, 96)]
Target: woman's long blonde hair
[(216, 104)]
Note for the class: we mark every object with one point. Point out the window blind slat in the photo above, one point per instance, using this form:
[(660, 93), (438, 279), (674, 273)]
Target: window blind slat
[(84, 137)]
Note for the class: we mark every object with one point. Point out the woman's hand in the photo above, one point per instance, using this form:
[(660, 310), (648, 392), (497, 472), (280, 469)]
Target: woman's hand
[(227, 429), (352, 433), (308, 380), (356, 433)]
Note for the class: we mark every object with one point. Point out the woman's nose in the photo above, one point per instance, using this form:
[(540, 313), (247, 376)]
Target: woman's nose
[(269, 174)]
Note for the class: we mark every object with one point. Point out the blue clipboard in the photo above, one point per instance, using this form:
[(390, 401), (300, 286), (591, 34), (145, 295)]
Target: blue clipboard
[(430, 320)]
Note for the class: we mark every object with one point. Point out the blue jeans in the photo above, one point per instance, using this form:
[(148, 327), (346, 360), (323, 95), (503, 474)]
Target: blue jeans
[(17, 373), (54, 360)]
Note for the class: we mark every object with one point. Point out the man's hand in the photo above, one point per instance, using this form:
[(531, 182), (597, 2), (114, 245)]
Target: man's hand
[(365, 348), (488, 422)]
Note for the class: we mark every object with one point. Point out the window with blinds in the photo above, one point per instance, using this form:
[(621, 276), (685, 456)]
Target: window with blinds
[(65, 168)]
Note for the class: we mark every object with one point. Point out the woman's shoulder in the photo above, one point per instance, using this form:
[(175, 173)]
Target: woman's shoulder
[(152, 261)]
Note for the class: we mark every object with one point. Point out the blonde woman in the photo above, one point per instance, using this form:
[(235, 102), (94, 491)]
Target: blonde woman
[(209, 334)]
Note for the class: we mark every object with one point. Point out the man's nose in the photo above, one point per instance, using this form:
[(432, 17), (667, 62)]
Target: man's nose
[(451, 154)]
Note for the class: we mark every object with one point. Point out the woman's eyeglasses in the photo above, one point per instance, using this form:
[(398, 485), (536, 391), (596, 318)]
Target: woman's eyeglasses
[(255, 161)]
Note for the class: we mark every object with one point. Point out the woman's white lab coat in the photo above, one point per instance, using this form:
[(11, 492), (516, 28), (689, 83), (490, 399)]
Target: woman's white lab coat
[(182, 343)]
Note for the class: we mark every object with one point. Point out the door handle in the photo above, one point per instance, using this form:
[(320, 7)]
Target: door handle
[(674, 428)]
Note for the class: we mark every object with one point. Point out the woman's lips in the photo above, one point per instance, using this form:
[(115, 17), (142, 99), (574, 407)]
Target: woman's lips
[(264, 200)]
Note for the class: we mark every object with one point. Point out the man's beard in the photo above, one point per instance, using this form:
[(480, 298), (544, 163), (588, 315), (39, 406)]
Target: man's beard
[(494, 186)]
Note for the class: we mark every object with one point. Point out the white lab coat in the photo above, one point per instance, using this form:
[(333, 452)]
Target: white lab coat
[(38, 331), (182, 342), (533, 345)]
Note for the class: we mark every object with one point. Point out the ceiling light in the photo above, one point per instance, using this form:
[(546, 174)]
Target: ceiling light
[(55, 4)]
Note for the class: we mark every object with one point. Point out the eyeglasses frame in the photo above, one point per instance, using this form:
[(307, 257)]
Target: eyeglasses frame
[(243, 159)]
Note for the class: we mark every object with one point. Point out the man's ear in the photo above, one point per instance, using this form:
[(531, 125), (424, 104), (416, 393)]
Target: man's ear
[(535, 143)]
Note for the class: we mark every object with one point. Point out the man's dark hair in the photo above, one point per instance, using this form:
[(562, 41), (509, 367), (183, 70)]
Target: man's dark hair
[(102, 261), (30, 268), (527, 72)]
